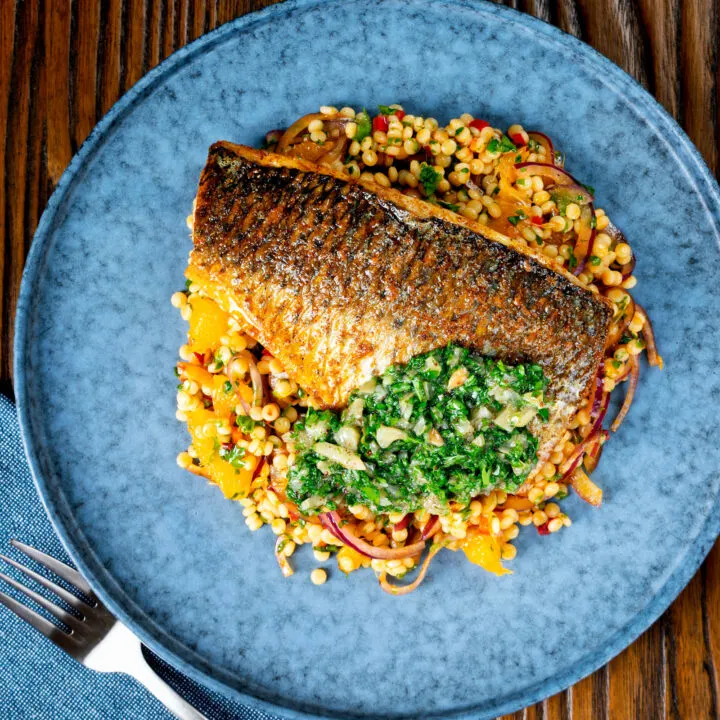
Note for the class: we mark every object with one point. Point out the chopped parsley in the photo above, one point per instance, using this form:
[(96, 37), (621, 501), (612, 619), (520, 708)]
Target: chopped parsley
[(572, 260), (245, 423), (429, 177), (503, 145), (515, 219), (234, 456), (449, 206), (386, 110), (364, 125), (447, 426), (594, 260), (589, 188), (227, 387)]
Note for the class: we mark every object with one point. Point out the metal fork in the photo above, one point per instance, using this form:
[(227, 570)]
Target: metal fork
[(93, 636)]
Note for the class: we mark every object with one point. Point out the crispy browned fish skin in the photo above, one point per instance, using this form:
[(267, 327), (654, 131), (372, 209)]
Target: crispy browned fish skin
[(341, 280)]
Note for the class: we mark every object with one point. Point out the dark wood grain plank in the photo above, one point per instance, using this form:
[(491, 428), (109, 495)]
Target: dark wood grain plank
[(661, 22), (86, 34), (109, 55), (29, 38), (169, 33), (637, 678), (699, 61), (7, 48), (691, 673), (63, 63), (57, 54), (568, 18), (590, 697), (711, 622), (134, 35), (614, 28)]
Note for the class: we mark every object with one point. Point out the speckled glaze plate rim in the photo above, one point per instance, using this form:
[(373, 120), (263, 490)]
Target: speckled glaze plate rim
[(59, 511)]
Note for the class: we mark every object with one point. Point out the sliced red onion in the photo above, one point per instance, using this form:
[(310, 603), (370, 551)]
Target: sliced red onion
[(405, 589), (597, 398), (654, 357), (604, 405), (295, 129), (545, 141), (331, 521), (577, 459), (559, 176), (281, 558), (402, 525), (431, 527), (586, 238), (630, 395), (618, 328), (256, 380), (273, 136)]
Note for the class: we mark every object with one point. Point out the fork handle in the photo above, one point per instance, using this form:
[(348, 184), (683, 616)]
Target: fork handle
[(122, 652)]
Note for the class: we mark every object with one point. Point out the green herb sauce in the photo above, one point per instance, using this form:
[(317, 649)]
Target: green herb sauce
[(449, 425)]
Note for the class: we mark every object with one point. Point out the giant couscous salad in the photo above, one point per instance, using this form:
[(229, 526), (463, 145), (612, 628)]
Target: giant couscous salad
[(452, 437)]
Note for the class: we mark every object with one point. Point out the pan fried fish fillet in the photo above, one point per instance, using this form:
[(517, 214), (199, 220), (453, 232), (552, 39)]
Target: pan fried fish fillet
[(340, 279)]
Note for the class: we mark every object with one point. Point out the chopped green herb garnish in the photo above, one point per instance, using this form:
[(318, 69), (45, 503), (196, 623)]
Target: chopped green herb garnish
[(589, 188), (227, 387), (449, 206), (517, 217), (188, 283), (245, 423), (364, 125), (503, 145), (594, 260), (593, 221), (572, 261), (429, 177), (386, 110), (234, 456), (446, 427)]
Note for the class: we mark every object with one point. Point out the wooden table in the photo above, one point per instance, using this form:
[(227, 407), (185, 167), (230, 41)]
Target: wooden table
[(63, 63)]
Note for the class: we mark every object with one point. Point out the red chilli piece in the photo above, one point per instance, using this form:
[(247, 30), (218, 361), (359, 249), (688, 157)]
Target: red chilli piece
[(399, 114), (478, 124), (380, 122), (518, 139), (200, 357), (543, 529), (537, 220)]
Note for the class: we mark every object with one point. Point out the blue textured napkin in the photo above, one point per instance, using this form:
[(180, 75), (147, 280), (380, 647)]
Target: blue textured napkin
[(39, 681)]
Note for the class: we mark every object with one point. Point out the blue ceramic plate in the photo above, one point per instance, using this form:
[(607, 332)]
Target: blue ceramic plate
[(97, 340)]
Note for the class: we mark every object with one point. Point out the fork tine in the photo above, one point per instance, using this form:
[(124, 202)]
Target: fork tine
[(61, 592), (59, 568), (50, 631), (70, 620)]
